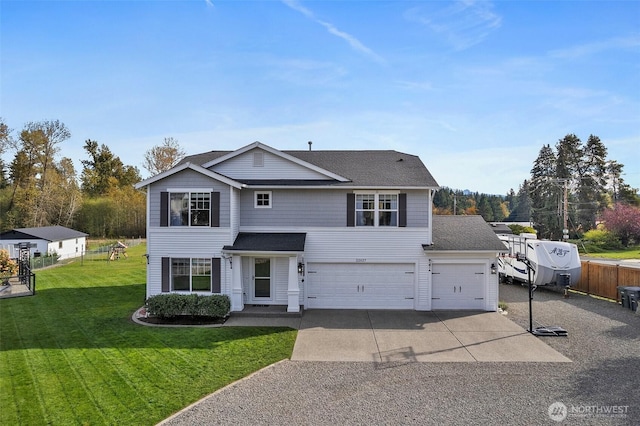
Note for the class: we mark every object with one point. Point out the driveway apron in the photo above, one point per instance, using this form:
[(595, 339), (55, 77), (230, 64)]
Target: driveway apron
[(412, 336)]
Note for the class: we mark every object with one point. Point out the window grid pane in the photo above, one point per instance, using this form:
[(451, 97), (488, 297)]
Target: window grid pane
[(200, 208), (180, 274), (179, 209), (376, 210), (388, 210), (262, 199)]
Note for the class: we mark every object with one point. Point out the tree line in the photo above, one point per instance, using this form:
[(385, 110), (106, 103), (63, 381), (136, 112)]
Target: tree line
[(39, 189), (572, 183)]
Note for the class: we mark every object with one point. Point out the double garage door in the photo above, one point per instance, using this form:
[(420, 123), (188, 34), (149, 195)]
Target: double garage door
[(458, 286), (360, 286)]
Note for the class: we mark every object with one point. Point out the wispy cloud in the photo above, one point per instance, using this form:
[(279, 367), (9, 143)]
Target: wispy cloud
[(463, 23), (632, 42), (355, 44), (305, 73), (209, 3), (415, 85)]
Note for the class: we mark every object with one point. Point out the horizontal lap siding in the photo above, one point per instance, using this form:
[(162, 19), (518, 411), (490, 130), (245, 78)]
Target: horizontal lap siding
[(313, 207), (352, 244), (184, 242), (274, 167), (193, 181), (295, 207), (281, 279)]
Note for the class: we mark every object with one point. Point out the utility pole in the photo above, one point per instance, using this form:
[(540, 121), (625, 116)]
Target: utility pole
[(565, 211), (455, 203)]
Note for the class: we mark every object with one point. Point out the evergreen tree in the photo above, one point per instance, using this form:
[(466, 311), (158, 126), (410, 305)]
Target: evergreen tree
[(546, 194), (521, 211)]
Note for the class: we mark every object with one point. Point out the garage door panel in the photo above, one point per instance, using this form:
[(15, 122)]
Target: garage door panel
[(360, 286), (458, 286)]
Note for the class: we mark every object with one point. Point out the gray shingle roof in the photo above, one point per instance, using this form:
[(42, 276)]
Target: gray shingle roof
[(362, 168), (48, 233), (264, 242), (463, 233)]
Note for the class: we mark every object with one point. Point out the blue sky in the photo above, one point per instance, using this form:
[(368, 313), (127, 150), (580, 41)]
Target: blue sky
[(474, 88)]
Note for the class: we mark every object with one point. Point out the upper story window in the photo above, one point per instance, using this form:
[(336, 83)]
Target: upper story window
[(376, 209), (262, 199), (189, 208)]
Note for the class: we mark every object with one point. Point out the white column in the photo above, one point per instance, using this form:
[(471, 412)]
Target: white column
[(237, 299), (293, 290)]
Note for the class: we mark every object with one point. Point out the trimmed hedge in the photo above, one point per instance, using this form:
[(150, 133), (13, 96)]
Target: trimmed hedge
[(173, 305)]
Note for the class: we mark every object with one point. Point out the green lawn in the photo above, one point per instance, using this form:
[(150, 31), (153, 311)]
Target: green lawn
[(630, 253), (71, 355)]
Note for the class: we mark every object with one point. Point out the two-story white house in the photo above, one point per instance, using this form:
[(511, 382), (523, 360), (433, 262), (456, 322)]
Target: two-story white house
[(314, 230)]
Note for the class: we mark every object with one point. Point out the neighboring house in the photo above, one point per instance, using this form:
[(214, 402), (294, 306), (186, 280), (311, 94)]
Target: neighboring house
[(46, 240), (313, 229), (500, 228)]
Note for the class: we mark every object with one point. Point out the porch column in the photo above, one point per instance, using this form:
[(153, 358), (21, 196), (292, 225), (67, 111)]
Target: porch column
[(237, 299), (293, 290)]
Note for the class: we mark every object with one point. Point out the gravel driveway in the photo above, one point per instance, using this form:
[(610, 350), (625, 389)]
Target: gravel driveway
[(604, 377)]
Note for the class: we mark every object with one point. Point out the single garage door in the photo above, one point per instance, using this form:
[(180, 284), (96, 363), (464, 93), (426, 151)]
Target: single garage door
[(458, 286), (360, 286)]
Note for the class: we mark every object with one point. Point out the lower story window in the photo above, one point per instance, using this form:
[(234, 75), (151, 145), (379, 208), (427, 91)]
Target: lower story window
[(191, 274)]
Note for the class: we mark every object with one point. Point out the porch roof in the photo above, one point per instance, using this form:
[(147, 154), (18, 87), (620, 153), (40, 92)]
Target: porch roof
[(268, 242)]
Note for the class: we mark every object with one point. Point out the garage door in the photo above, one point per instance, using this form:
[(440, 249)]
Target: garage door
[(458, 286), (360, 286)]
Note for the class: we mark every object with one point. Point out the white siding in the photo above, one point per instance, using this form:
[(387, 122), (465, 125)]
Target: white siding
[(72, 247), (184, 242), (234, 214), (274, 167), (280, 281)]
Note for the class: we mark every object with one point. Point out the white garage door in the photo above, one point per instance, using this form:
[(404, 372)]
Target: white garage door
[(458, 286), (360, 286)]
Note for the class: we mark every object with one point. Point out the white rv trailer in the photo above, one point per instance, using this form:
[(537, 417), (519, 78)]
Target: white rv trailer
[(552, 262)]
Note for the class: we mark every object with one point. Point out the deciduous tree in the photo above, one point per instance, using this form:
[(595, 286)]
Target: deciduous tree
[(161, 158), (623, 221)]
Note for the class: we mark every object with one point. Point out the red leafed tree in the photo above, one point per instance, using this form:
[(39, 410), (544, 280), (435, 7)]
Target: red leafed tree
[(623, 221)]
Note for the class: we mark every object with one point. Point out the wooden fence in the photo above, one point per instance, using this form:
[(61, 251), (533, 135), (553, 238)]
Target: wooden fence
[(603, 279)]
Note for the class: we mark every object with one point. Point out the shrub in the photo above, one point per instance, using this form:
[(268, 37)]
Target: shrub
[(172, 305), (601, 239), (519, 229)]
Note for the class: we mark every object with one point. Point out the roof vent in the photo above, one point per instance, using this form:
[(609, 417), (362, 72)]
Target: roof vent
[(310, 143), (258, 159)]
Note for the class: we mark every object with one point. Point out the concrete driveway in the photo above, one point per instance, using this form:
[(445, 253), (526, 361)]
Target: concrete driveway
[(383, 336)]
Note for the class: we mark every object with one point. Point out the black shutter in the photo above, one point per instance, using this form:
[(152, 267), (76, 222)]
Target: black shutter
[(164, 209), (166, 274), (351, 209), (215, 209), (215, 275), (402, 209)]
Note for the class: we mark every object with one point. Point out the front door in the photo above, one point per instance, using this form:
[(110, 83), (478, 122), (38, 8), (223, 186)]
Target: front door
[(261, 278)]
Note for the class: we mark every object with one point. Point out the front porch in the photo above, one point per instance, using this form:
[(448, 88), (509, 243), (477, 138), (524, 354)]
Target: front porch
[(267, 272)]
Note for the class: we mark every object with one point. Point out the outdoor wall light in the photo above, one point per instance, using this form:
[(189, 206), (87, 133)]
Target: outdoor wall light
[(300, 268), (494, 270)]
